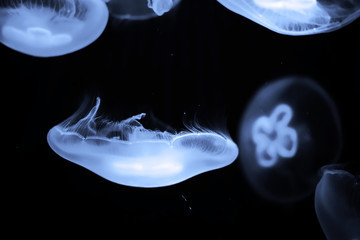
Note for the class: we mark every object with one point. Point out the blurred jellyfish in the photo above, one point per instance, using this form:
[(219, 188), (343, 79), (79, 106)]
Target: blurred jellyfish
[(127, 153), (140, 9), (297, 17), (49, 28), (289, 130), (337, 203), (273, 138)]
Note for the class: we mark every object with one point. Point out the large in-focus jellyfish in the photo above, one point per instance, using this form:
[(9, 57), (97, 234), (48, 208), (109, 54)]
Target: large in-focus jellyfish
[(140, 9), (297, 17), (337, 202), (289, 130), (127, 153), (49, 28)]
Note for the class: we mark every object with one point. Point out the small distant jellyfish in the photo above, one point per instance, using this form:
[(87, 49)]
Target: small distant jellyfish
[(337, 202), (297, 17), (126, 153), (140, 9), (289, 130), (50, 28)]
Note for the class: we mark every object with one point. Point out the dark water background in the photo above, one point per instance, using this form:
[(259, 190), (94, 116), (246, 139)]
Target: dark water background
[(201, 59)]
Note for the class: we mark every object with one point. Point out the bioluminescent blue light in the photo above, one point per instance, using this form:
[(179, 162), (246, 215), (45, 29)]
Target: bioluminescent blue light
[(297, 17), (127, 153), (50, 28), (140, 9), (273, 137), (337, 203), (160, 6), (288, 131)]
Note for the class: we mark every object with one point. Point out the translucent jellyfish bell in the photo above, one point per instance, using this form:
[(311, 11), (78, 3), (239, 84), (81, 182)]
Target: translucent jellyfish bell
[(127, 153), (297, 17), (51, 28), (337, 202), (140, 9), (289, 130)]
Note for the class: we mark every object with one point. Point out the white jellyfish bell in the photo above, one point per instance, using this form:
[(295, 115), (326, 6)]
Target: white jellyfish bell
[(337, 201), (51, 28), (297, 17), (126, 153)]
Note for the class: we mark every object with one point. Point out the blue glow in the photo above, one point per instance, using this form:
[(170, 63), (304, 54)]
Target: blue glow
[(51, 28), (160, 6), (127, 153), (289, 130), (273, 137), (337, 203), (140, 9), (297, 17)]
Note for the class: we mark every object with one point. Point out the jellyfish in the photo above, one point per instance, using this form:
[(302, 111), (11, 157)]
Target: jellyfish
[(127, 153), (337, 202), (140, 9), (297, 17), (49, 28), (288, 131)]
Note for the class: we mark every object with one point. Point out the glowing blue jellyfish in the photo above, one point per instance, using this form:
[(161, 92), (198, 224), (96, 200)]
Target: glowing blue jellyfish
[(289, 130), (297, 17), (140, 9), (337, 203), (273, 138), (50, 28), (127, 153)]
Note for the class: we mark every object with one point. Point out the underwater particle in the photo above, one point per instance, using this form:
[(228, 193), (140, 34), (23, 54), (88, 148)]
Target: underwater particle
[(297, 17), (51, 28), (128, 154), (289, 130), (337, 202)]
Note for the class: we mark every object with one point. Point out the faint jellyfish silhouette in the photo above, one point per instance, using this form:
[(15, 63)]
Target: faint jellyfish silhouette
[(288, 131), (51, 28), (140, 9), (337, 202), (297, 17), (127, 153)]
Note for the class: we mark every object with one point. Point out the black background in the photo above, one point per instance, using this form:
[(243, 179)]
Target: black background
[(202, 60)]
